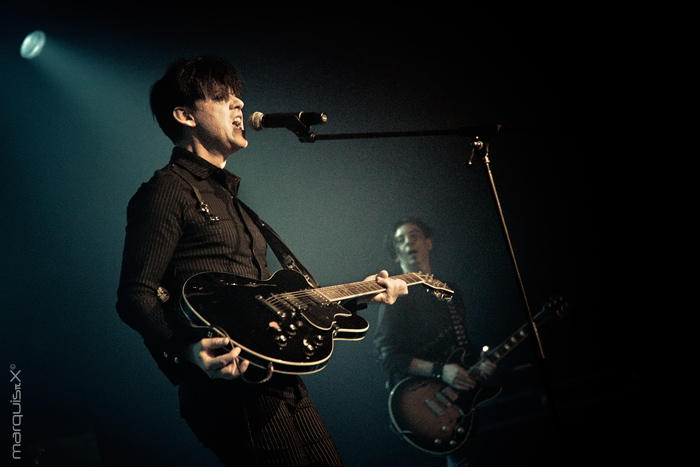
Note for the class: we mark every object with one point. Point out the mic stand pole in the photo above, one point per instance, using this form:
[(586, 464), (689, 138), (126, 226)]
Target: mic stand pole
[(482, 148)]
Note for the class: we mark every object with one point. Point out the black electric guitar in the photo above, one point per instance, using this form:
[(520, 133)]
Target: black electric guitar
[(436, 418), (282, 324)]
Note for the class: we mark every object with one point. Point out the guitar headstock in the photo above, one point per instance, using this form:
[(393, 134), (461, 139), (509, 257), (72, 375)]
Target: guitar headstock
[(438, 288), (556, 305)]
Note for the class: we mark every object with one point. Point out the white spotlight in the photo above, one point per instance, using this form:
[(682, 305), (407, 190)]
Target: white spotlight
[(32, 44)]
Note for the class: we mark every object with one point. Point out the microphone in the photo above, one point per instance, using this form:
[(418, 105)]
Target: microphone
[(297, 122)]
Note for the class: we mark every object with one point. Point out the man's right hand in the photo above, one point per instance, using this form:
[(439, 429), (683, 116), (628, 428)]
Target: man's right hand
[(207, 355), (460, 378)]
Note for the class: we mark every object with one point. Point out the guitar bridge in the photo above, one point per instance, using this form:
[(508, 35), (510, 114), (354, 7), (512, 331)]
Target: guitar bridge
[(275, 307)]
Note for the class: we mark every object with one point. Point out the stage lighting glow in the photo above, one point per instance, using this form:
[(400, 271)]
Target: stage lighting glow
[(33, 44)]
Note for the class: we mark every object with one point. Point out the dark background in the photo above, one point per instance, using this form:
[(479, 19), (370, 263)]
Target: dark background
[(79, 139)]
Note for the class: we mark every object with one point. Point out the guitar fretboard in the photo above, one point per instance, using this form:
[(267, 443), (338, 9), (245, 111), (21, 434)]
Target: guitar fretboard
[(555, 307), (351, 290)]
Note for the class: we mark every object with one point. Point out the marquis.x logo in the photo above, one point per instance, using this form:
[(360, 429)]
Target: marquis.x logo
[(16, 412)]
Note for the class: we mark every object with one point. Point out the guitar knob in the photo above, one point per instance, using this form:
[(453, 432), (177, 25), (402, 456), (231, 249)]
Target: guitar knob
[(281, 340), (453, 442), (437, 441), (460, 430), (318, 340), (309, 349), (292, 329)]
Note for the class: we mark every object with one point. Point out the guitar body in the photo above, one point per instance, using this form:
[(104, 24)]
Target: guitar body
[(432, 416), (222, 304), (436, 418)]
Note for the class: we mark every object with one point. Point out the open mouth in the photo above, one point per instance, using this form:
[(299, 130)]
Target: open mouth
[(238, 125)]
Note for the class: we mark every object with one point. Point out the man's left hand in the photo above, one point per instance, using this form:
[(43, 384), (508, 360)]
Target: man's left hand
[(394, 287)]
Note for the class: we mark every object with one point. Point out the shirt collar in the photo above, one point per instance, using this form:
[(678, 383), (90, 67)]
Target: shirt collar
[(202, 169)]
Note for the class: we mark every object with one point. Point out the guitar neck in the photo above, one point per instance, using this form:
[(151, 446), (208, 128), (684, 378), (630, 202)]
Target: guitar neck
[(550, 310), (335, 293), (509, 344)]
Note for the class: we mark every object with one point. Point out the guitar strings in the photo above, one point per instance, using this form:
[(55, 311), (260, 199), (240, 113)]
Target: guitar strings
[(301, 298)]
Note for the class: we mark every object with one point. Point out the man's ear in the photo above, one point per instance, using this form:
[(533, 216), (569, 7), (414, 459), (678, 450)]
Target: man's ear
[(429, 241), (185, 116)]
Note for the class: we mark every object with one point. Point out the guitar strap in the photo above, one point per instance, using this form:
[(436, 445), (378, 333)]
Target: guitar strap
[(458, 329), (458, 325), (462, 348), (282, 251)]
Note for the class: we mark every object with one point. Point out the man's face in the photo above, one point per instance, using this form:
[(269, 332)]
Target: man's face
[(412, 248), (220, 124)]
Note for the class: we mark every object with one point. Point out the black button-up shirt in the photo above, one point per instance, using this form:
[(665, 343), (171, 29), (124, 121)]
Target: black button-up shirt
[(169, 238), (419, 325)]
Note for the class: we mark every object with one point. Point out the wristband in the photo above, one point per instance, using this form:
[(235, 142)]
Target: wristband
[(437, 370)]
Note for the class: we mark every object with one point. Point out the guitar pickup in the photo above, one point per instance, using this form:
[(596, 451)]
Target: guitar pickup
[(277, 310), (442, 399), (434, 407)]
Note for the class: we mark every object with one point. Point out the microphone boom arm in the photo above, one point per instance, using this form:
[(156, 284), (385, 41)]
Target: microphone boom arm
[(476, 132)]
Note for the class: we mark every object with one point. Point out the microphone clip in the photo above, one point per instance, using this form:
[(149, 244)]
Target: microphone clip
[(302, 129), (299, 128), (477, 145)]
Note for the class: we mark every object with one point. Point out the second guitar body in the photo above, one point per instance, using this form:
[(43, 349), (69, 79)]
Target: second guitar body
[(432, 416), (436, 418)]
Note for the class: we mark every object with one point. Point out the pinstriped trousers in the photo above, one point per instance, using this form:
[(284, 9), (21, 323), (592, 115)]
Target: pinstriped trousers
[(272, 424)]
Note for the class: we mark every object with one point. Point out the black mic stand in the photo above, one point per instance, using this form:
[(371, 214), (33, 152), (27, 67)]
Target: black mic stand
[(480, 144)]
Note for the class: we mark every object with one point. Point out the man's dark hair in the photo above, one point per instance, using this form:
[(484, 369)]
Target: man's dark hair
[(188, 80), (389, 238)]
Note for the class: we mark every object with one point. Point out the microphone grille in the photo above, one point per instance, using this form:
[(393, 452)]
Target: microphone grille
[(255, 120)]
